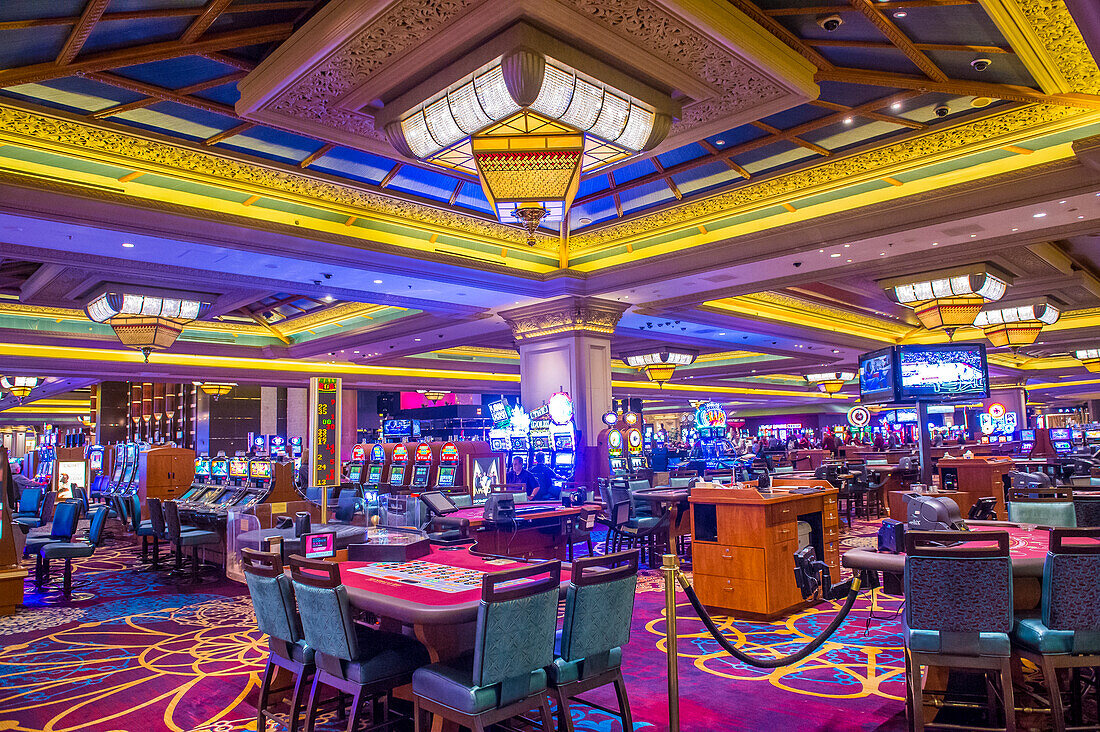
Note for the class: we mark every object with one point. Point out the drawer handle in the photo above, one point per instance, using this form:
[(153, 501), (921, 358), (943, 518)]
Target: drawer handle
[(784, 531)]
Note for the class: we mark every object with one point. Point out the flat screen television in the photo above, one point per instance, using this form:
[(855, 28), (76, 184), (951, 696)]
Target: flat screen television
[(942, 373), (876, 377)]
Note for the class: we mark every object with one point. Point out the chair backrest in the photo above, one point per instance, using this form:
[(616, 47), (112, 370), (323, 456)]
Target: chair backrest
[(877, 461), (97, 519), (679, 482), (30, 500), (599, 609), (272, 595), (1071, 583), (172, 519), (65, 516), (783, 469), (1047, 507), (516, 626), (347, 507), (963, 589), (156, 515), (324, 608), (1086, 510), (49, 503), (620, 513), (133, 510)]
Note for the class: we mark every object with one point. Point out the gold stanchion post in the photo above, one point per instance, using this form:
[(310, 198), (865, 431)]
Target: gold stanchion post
[(670, 564)]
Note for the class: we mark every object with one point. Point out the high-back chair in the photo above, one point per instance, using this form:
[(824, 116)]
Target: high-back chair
[(350, 657), (579, 528), (141, 528), (193, 538), (1086, 510), (44, 515), (277, 616), (1047, 506), (65, 517), (30, 503), (70, 550), (598, 612), (958, 611), (1067, 635), (513, 645)]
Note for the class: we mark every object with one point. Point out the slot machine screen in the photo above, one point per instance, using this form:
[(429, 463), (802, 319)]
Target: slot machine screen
[(319, 546), (499, 444), (637, 463), (210, 498), (563, 458), (259, 469), (355, 472), (190, 492), (520, 444), (563, 440), (202, 468), (120, 463), (202, 493), (95, 460), (420, 474), (446, 476), (245, 498), (374, 475), (1027, 435), (128, 475), (1092, 434), (540, 442), (238, 468), (219, 469), (226, 499), (1061, 447), (397, 474), (618, 464)]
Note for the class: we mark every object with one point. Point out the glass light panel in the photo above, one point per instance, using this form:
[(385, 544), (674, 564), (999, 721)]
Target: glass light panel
[(466, 109), (556, 92), (415, 131), (905, 293), (585, 106), (131, 304), (151, 306), (637, 130), (1088, 353), (493, 94), (1050, 315), (993, 288), (612, 118), (189, 309), (442, 126), (170, 307), (960, 285), (942, 288), (100, 311)]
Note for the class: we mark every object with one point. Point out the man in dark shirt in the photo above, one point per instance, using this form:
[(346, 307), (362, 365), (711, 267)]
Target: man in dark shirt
[(547, 490), (521, 476)]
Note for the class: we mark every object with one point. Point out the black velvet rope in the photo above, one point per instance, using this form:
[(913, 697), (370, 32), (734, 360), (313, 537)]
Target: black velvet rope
[(853, 593)]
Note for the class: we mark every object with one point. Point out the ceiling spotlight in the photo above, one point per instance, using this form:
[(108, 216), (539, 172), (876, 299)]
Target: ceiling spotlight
[(847, 120), (378, 282), (834, 255), (327, 298), (895, 106), (127, 245), (900, 14), (1039, 215)]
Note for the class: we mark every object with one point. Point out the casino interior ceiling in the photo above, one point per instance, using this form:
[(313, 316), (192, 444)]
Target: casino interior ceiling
[(775, 160)]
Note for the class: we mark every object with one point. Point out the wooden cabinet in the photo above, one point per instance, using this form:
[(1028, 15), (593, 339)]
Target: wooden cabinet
[(164, 473), (978, 476), (743, 544)]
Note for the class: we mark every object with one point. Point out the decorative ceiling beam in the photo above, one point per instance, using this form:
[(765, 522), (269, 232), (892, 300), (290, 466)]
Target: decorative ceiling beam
[(144, 54), (790, 136), (829, 43), (455, 192), (389, 176), (231, 132), (911, 124), (206, 18), (780, 31), (161, 93), (184, 91), (729, 163), (156, 13), (957, 87), (888, 5), (316, 155), (668, 180), (728, 153), (889, 29), (93, 11), (224, 58)]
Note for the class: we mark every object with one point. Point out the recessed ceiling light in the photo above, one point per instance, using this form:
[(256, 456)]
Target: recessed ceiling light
[(836, 350), (1039, 215), (355, 351), (1061, 202), (1080, 217), (127, 245), (895, 106), (935, 243), (1015, 229), (378, 282), (849, 260), (882, 254), (847, 246), (900, 14), (973, 236), (847, 120), (821, 250), (719, 142), (722, 333), (585, 221), (416, 339), (327, 298), (834, 255)]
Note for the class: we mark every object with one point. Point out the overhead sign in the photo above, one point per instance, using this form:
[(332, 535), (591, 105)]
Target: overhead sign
[(324, 400), (560, 408), (859, 416), (377, 453), (710, 414), (359, 452)]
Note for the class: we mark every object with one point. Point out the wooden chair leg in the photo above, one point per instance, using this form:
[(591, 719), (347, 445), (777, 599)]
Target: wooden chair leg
[(1010, 696), (624, 702), (265, 689), (565, 719), (356, 710), (916, 693), (1050, 678), (418, 713), (311, 711), (547, 715), (300, 685)]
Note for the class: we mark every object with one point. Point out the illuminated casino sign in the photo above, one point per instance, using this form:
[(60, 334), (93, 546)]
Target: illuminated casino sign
[(615, 442), (710, 414), (859, 416), (634, 440), (359, 452), (400, 453), (631, 418), (499, 412), (377, 453), (998, 420), (423, 453), (560, 408), (324, 399), (448, 453), (610, 418)]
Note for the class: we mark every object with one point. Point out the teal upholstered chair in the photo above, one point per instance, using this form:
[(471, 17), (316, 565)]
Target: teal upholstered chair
[(642, 507), (30, 503), (596, 626), (1086, 510), (958, 611), (277, 615), (44, 515), (65, 517), (352, 658), (189, 537), (1046, 507), (677, 481), (1067, 635), (514, 643), (783, 470), (70, 550)]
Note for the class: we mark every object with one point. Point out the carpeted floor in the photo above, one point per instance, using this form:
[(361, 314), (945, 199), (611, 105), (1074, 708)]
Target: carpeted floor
[(142, 655)]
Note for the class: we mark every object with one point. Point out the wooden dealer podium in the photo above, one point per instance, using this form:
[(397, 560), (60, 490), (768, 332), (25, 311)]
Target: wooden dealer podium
[(11, 572)]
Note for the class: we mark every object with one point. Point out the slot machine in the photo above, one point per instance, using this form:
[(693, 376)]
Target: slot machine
[(519, 446), (448, 467), (564, 453), (277, 446), (635, 454), (422, 466), (616, 460), (202, 479), (399, 459), (118, 467), (375, 468), (540, 444), (356, 464), (295, 447), (261, 473)]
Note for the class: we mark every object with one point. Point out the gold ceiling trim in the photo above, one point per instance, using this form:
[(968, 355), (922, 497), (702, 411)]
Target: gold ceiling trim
[(59, 314), (327, 316), (60, 134), (794, 309), (507, 353)]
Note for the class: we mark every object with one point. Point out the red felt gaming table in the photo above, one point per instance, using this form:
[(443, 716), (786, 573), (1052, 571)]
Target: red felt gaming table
[(421, 595)]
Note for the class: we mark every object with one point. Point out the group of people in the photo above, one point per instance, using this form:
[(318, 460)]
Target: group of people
[(538, 481)]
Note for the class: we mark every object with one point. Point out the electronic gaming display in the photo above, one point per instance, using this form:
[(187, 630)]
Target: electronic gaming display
[(259, 469), (446, 477), (374, 475), (202, 468), (499, 444), (540, 442), (355, 471), (219, 468), (319, 546), (238, 468), (563, 440), (876, 377), (942, 372), (420, 474), (1062, 439)]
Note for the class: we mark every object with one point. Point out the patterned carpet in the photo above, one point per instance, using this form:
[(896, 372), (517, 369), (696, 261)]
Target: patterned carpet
[(144, 655)]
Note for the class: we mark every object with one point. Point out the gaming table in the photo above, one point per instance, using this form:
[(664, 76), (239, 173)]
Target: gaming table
[(539, 531)]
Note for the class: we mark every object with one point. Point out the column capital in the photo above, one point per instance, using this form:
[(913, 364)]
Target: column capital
[(564, 316)]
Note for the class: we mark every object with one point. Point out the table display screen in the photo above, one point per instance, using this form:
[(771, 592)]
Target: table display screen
[(446, 476), (942, 372), (420, 473), (374, 475), (319, 546)]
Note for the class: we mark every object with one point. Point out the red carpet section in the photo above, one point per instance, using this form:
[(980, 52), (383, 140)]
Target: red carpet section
[(141, 655)]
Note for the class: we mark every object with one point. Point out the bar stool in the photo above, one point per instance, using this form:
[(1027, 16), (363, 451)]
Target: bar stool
[(193, 538), (97, 519)]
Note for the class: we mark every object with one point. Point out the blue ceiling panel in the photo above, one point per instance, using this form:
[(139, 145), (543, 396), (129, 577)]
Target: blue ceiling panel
[(888, 60), (175, 73), (73, 94), (682, 155), (596, 211), (736, 136), (852, 95), (354, 164), (957, 24), (471, 196), (645, 196), (275, 144), (26, 46), (706, 176), (31, 9), (111, 34), (796, 116), (176, 120), (422, 182), (633, 170), (591, 185), (226, 94)]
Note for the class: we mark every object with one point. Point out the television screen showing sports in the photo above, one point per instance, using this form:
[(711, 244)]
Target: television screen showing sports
[(876, 377), (942, 372), (319, 546)]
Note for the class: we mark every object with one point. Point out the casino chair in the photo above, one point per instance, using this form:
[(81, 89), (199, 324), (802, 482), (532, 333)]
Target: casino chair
[(70, 550), (506, 675), (1086, 510), (1042, 506), (191, 537), (143, 529), (352, 658), (958, 613), (30, 504), (579, 528), (65, 517), (45, 515), (589, 649), (277, 616), (1067, 635)]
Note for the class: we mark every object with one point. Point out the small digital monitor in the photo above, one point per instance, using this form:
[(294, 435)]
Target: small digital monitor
[(1062, 447), (1061, 434), (238, 468), (563, 458), (637, 463), (520, 444), (190, 492), (202, 467), (876, 377), (219, 469), (499, 444), (563, 440), (942, 372), (397, 475), (355, 472), (226, 498), (319, 546), (438, 502), (259, 469), (420, 473), (374, 475), (446, 476)]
